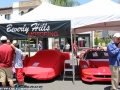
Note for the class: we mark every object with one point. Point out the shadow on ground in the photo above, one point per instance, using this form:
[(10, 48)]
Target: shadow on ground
[(107, 88)]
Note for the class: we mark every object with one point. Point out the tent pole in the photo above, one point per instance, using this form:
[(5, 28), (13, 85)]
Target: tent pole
[(93, 38), (29, 46), (74, 35), (73, 67)]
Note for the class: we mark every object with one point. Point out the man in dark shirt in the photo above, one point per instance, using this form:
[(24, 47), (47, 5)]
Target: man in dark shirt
[(61, 47), (6, 58)]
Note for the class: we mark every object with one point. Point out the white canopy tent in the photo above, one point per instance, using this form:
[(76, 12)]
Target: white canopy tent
[(98, 13), (2, 20), (44, 12)]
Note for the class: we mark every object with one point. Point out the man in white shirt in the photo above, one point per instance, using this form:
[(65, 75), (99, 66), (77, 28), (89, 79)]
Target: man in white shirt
[(67, 47)]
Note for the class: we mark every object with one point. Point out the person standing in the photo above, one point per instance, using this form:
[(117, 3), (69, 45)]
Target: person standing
[(6, 58), (67, 47), (55, 47), (18, 63), (113, 52), (40, 46), (61, 47), (75, 48)]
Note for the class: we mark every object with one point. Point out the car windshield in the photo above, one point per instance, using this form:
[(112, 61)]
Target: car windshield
[(97, 55)]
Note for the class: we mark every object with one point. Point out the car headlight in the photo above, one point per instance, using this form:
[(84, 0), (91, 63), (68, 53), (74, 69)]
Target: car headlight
[(84, 66)]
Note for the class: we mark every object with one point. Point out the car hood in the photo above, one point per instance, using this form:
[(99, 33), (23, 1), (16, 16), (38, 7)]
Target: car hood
[(100, 70)]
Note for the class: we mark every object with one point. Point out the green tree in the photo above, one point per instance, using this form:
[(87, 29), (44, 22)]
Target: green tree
[(107, 40), (65, 3), (96, 41)]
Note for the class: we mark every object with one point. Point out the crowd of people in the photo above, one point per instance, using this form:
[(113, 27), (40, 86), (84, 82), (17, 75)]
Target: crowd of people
[(10, 57), (66, 47)]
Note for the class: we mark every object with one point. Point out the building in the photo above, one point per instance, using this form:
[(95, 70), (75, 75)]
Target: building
[(18, 8), (22, 7)]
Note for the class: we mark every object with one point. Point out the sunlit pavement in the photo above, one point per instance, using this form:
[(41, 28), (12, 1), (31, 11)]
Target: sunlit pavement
[(68, 85)]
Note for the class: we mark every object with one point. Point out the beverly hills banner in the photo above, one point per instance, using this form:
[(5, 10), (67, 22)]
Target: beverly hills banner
[(36, 29)]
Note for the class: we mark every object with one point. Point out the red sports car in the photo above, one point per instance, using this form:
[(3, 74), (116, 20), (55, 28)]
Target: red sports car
[(94, 66)]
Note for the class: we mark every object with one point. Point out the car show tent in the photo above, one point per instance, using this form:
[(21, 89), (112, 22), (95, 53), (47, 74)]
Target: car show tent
[(95, 15)]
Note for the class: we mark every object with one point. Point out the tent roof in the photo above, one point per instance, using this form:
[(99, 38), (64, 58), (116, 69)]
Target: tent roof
[(97, 14), (98, 7), (2, 20), (44, 12)]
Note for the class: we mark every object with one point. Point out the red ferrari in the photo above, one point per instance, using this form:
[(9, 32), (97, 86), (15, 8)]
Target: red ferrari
[(94, 66)]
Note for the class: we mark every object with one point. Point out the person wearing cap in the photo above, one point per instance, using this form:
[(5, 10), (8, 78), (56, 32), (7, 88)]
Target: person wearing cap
[(113, 51), (6, 58)]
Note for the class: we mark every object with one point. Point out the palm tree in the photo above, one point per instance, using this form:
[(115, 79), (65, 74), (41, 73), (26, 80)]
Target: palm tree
[(65, 3)]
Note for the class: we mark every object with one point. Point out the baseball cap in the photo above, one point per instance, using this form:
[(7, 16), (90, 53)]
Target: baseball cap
[(116, 35), (3, 38)]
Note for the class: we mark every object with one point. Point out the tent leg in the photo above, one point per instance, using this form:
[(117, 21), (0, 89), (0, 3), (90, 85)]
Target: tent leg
[(74, 35), (29, 46), (73, 66), (92, 38)]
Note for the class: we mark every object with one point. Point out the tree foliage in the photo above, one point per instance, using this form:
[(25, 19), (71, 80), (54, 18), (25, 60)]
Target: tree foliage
[(96, 41), (107, 40), (65, 3)]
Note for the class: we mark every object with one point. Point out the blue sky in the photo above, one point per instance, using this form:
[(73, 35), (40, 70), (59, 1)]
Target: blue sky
[(4, 3)]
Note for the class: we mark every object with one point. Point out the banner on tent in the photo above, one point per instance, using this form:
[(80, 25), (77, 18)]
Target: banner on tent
[(36, 29)]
